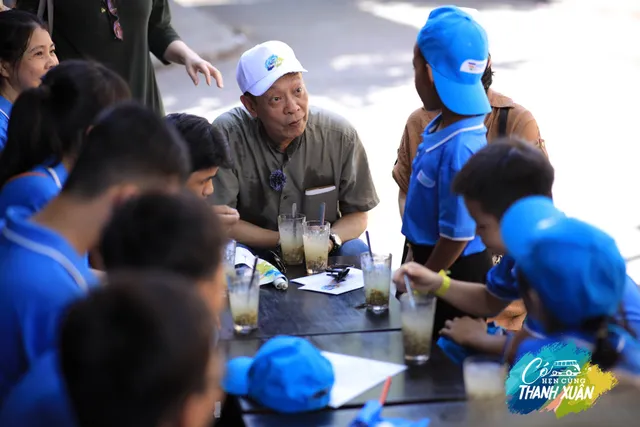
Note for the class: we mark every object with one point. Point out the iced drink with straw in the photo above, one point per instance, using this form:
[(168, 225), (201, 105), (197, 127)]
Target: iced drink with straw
[(290, 227), (376, 272), (417, 314), (244, 299)]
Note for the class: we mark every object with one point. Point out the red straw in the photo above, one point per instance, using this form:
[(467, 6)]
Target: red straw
[(385, 390)]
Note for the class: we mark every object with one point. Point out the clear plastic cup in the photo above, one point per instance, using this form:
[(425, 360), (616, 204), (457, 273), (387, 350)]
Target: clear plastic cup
[(316, 245), (484, 377), (376, 273), (291, 242), (417, 327), (244, 299)]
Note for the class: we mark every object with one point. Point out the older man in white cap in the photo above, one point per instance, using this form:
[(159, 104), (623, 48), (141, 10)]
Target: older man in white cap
[(287, 152)]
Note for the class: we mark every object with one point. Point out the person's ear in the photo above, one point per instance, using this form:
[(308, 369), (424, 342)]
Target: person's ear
[(430, 74), (121, 193), (249, 103), (4, 69)]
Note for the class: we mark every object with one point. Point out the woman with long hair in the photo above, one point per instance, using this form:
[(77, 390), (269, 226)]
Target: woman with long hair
[(26, 54)]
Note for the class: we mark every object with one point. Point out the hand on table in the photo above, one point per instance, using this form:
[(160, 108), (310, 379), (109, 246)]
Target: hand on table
[(228, 216), (195, 64), (422, 279), (464, 330)]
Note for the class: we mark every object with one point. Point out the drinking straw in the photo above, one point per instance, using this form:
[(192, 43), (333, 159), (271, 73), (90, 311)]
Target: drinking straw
[(294, 210), (407, 283), (253, 277), (385, 390), (322, 209), (369, 244)]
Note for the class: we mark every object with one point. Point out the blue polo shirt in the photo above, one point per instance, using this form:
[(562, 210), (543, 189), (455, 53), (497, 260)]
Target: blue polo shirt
[(40, 398), (40, 274), (5, 113), (502, 283), (32, 191), (432, 210)]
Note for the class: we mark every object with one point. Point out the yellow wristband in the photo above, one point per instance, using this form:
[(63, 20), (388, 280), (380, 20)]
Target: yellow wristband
[(446, 283)]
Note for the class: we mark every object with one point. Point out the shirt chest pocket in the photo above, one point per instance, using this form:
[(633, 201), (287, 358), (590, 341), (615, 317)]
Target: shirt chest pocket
[(428, 174)]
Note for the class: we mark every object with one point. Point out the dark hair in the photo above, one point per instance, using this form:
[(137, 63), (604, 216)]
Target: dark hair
[(502, 173), (48, 123), (179, 233), (604, 354), (16, 28), (129, 143), (135, 349), (487, 76), (208, 146)]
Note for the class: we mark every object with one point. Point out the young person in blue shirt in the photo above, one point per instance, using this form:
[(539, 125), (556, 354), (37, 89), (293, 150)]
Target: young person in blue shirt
[(174, 232), (209, 149), (573, 279), (26, 54), (136, 352), (496, 177), (47, 130), (128, 151), (449, 59)]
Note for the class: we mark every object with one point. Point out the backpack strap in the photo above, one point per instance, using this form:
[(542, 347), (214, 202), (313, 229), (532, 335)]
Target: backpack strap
[(503, 115)]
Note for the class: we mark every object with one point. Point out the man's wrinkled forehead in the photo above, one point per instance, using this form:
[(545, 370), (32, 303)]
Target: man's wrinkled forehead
[(285, 83)]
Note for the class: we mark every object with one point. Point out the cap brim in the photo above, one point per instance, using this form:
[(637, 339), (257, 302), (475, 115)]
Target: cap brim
[(523, 221), (463, 99), (236, 378), (263, 85)]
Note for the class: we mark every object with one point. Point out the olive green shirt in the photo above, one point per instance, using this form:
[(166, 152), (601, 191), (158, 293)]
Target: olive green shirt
[(329, 152), (82, 30)]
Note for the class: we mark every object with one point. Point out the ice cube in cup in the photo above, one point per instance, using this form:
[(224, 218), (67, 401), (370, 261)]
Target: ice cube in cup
[(417, 327), (376, 272)]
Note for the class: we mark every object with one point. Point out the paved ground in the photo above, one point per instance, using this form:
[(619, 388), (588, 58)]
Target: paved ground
[(572, 63)]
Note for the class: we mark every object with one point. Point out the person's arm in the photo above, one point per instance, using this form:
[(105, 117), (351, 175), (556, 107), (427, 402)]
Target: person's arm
[(402, 168), (357, 193), (256, 237), (166, 45), (472, 333), (472, 298), (350, 226), (456, 226), (402, 201)]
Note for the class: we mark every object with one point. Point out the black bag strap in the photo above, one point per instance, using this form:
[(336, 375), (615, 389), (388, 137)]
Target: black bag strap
[(48, 4), (503, 115)]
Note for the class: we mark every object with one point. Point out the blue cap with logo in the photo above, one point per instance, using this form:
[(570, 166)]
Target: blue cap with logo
[(576, 268), (287, 374), (457, 49)]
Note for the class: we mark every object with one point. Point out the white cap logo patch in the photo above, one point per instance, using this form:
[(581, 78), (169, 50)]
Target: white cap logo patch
[(473, 66)]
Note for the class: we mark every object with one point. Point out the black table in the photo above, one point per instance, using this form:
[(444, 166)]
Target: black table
[(295, 312), (437, 380), (440, 414)]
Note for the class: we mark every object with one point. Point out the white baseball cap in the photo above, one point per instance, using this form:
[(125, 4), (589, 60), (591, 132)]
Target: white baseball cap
[(263, 64)]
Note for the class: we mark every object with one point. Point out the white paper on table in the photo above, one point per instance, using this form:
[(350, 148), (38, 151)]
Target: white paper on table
[(324, 283), (355, 375)]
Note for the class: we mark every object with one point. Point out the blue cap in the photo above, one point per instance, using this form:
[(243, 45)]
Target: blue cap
[(287, 374), (457, 49), (576, 268)]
